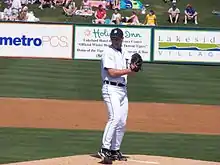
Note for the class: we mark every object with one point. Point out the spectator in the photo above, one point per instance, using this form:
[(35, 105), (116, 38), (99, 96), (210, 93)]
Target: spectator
[(190, 14), (70, 8), (58, 2), (100, 15), (24, 3), (110, 4), (116, 4), (32, 1), (113, 4), (133, 19), (116, 17), (30, 17), (8, 1), (61, 2), (22, 16), (7, 16), (173, 13), (151, 19), (172, 1), (16, 7), (46, 3), (86, 6), (216, 12)]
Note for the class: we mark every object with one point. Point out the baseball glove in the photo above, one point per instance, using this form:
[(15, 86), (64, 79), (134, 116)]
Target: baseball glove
[(136, 60)]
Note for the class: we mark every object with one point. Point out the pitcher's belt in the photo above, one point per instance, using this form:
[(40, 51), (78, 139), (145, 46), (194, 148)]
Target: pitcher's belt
[(114, 83)]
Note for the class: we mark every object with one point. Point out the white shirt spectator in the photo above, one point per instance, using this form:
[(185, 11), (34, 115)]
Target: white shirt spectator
[(24, 2), (16, 6), (115, 16), (173, 11), (32, 18), (7, 12)]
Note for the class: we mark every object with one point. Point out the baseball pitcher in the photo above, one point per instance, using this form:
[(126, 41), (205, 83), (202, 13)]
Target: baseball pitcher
[(115, 66)]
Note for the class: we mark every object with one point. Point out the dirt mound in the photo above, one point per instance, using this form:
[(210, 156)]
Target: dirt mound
[(132, 160)]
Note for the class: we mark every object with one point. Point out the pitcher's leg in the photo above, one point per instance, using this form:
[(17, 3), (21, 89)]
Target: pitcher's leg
[(120, 129), (113, 106)]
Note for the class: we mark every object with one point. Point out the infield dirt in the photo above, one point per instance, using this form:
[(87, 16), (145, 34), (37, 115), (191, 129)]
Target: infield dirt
[(92, 115)]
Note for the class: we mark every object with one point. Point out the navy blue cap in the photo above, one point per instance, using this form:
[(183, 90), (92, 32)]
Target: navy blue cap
[(116, 33)]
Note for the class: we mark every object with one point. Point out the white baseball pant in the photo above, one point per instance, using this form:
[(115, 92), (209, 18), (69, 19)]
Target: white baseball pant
[(116, 101)]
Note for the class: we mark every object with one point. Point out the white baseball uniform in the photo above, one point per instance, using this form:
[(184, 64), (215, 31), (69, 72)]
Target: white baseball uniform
[(115, 98)]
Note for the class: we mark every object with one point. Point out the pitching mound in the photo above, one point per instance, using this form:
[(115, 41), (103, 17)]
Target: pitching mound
[(132, 160)]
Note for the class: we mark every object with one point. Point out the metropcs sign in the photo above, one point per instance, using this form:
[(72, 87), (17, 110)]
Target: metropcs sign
[(53, 41), (36, 40)]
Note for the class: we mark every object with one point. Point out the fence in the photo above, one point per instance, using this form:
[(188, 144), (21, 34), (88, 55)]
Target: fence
[(81, 41)]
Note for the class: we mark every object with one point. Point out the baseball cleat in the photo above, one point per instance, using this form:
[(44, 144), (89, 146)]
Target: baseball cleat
[(117, 155), (105, 155)]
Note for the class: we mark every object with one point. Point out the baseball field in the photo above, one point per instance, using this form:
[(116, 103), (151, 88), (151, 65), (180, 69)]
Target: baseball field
[(52, 113)]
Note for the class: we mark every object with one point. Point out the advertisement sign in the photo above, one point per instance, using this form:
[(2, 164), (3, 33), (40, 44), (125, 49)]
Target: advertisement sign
[(36, 40), (90, 42), (186, 45)]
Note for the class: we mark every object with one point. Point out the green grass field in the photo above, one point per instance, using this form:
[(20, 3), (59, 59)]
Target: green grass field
[(30, 144), (76, 79), (67, 79)]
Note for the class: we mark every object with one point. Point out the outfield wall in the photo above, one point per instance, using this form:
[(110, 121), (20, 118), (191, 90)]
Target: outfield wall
[(81, 41)]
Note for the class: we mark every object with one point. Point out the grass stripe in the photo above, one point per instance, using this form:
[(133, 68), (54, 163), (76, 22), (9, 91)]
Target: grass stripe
[(19, 144), (81, 80)]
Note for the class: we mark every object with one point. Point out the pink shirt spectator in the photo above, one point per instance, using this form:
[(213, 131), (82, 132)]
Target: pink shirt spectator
[(134, 19), (86, 4)]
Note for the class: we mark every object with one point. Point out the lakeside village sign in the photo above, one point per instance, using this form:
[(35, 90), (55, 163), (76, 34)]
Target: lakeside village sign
[(183, 45)]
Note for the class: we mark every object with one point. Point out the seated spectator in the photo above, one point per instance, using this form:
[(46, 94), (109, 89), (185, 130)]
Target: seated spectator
[(1, 16), (70, 9), (7, 1), (86, 6), (65, 3), (151, 19), (22, 16), (7, 13), (26, 16), (216, 12), (190, 14), (45, 3), (100, 15), (58, 2), (16, 7), (116, 4), (32, 1), (133, 19), (24, 3), (30, 16), (173, 13), (116, 17), (172, 1), (110, 4), (61, 2)]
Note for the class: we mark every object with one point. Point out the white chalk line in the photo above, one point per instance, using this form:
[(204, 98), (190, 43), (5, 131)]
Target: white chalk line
[(141, 161)]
